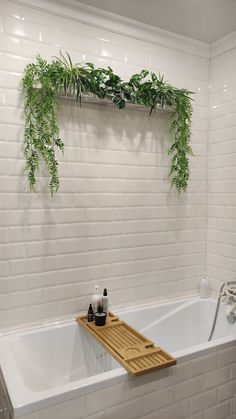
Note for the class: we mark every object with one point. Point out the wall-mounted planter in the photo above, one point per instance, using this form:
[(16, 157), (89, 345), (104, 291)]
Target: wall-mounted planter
[(93, 100), (43, 83)]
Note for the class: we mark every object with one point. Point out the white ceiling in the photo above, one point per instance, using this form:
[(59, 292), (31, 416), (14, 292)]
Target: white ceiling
[(204, 20)]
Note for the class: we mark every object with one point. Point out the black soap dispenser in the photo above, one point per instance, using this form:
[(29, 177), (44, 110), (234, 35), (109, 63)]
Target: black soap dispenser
[(90, 313)]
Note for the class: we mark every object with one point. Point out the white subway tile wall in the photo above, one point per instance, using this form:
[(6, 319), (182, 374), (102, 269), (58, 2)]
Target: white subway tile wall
[(115, 221), (221, 262)]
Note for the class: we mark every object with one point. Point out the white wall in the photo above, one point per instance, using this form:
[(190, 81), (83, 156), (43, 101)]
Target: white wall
[(115, 221), (222, 163)]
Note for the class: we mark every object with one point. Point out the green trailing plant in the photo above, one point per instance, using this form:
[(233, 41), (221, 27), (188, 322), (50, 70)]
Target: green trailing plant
[(43, 83)]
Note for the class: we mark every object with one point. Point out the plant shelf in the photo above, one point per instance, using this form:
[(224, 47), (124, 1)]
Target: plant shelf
[(44, 83), (137, 354), (94, 100)]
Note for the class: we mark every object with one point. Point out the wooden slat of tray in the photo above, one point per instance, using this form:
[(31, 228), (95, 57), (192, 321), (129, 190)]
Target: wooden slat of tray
[(131, 349)]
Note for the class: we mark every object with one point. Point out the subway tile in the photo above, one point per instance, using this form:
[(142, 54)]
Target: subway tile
[(3, 268), (26, 266), (12, 251), (16, 316), (73, 409), (10, 132), (203, 365), (129, 410), (34, 249), (157, 400), (40, 312), (203, 401), (4, 302), (71, 306), (104, 399), (25, 298), (233, 371), (21, 28), (221, 411), (10, 44), (10, 80), (188, 388), (215, 378), (227, 356), (10, 151), (175, 411), (12, 284), (226, 391), (139, 386)]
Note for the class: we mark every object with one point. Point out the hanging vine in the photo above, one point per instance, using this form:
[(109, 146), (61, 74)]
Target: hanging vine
[(43, 83)]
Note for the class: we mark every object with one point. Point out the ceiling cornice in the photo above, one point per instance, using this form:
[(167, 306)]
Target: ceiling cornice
[(89, 15), (223, 45)]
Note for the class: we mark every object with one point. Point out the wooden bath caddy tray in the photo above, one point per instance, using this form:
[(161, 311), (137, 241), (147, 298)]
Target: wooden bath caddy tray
[(131, 349)]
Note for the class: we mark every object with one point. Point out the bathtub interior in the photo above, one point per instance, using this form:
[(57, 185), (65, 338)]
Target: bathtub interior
[(141, 316), (181, 325), (58, 356)]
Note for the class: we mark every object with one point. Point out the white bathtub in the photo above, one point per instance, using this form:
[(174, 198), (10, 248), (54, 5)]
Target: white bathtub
[(59, 362)]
